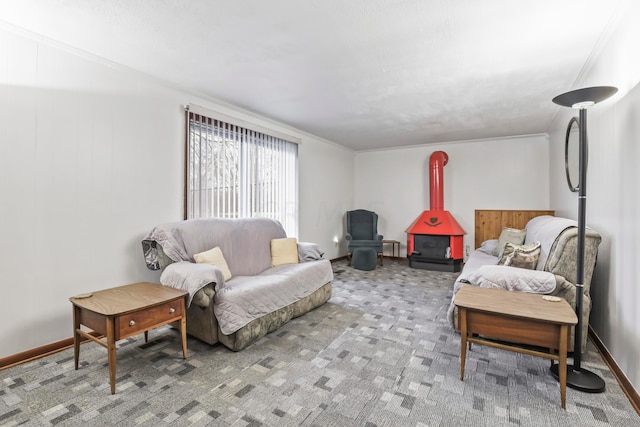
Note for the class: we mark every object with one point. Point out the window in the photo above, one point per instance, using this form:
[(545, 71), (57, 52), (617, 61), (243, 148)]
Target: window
[(236, 171)]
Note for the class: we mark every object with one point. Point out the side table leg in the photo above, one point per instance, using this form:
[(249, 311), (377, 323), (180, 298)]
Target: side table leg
[(111, 352), (183, 330), (76, 336), (462, 321), (562, 365)]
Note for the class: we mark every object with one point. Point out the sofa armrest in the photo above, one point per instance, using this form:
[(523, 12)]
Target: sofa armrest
[(562, 256), (512, 279), (191, 277), (567, 291), (205, 296)]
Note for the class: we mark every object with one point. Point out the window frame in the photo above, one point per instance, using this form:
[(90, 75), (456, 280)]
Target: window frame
[(249, 132)]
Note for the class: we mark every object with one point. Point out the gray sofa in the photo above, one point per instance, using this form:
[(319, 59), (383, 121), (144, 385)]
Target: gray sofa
[(558, 239), (258, 298)]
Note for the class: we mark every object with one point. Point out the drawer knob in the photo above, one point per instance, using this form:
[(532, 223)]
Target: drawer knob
[(133, 322), (172, 310)]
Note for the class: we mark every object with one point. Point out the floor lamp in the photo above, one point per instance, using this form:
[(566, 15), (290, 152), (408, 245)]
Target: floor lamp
[(581, 99)]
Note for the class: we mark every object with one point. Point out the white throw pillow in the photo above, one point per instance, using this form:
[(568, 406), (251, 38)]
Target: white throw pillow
[(488, 246), (284, 251), (214, 257)]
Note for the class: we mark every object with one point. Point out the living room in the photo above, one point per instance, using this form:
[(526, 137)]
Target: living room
[(92, 158)]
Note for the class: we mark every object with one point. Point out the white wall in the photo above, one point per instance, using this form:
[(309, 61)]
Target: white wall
[(91, 158), (613, 202), (507, 173), (326, 193)]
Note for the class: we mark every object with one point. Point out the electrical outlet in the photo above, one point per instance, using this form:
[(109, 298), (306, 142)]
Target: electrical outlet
[(466, 250)]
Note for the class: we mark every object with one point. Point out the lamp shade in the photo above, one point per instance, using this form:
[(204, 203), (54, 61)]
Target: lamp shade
[(581, 98)]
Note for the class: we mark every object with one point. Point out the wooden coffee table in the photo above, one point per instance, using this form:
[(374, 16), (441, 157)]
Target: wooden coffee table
[(518, 318), (124, 311)]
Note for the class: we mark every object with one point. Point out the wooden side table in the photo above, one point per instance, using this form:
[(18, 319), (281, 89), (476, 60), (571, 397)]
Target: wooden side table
[(516, 317), (121, 312), (393, 244)]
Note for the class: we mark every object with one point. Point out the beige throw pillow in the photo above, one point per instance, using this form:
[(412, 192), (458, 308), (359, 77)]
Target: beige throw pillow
[(284, 251), (509, 235), (214, 257), (506, 251), (509, 248), (525, 256)]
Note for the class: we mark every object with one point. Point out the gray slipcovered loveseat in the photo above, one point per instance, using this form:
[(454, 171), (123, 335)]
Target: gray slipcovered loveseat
[(258, 298), (554, 273)]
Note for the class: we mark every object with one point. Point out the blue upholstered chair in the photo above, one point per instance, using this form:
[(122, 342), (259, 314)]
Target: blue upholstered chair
[(362, 232)]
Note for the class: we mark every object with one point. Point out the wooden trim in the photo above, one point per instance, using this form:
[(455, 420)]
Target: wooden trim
[(38, 352), (625, 384)]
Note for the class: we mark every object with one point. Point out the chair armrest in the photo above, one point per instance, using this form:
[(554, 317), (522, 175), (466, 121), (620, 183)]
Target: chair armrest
[(348, 237), (378, 237)]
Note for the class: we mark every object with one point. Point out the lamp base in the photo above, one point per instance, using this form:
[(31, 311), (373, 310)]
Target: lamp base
[(581, 379)]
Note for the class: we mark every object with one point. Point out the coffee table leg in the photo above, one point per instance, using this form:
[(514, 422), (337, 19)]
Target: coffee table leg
[(562, 365), (463, 339), (76, 336), (111, 352)]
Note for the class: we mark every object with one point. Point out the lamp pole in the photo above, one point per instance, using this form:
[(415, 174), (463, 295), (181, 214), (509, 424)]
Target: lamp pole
[(582, 225), (577, 377)]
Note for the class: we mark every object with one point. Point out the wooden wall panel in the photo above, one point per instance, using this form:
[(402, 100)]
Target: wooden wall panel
[(489, 223)]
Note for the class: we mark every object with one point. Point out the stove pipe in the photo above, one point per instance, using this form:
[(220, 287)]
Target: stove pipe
[(437, 162)]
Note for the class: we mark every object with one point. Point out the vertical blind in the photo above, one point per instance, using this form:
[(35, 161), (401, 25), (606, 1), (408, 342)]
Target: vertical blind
[(236, 172)]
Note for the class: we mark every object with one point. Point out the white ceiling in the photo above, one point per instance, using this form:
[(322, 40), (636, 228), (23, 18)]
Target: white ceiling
[(366, 74)]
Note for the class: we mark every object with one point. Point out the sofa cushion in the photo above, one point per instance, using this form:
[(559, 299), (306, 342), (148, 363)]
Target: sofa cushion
[(509, 235), (284, 251), (214, 257), (246, 298)]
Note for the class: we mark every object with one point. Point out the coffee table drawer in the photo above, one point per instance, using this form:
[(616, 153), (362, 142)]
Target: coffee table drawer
[(140, 321)]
